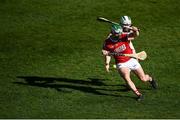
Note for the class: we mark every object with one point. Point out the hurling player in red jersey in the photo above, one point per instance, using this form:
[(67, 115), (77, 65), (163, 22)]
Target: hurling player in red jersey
[(126, 24), (119, 42)]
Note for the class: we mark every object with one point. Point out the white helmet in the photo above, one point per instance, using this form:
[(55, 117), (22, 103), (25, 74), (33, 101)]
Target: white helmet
[(125, 20)]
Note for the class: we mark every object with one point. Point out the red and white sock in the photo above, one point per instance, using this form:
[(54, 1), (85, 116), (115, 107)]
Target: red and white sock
[(137, 92)]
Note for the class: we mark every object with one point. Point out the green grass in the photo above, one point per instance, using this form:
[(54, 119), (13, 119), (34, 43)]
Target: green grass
[(57, 44)]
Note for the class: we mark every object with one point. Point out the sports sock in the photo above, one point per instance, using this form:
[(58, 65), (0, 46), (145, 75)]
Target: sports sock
[(137, 93)]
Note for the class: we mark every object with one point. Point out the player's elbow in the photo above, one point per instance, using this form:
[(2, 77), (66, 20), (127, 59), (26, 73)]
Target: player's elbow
[(137, 33), (105, 52)]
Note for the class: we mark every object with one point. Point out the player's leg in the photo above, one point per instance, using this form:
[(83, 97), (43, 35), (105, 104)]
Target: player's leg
[(125, 73), (141, 75), (145, 77)]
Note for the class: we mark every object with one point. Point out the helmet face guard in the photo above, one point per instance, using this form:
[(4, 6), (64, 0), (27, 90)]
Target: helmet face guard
[(125, 21), (116, 29)]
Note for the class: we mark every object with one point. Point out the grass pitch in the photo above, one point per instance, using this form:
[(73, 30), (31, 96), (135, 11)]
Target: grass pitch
[(51, 64)]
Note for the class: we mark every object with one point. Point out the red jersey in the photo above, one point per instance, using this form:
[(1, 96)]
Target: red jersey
[(121, 46)]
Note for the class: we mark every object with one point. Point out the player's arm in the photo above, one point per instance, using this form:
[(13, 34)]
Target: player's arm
[(107, 59), (134, 33), (132, 47), (109, 35)]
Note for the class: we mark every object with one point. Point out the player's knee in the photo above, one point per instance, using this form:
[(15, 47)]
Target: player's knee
[(124, 75), (143, 78), (127, 78)]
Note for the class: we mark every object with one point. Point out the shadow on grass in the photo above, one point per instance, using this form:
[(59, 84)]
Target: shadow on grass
[(91, 85)]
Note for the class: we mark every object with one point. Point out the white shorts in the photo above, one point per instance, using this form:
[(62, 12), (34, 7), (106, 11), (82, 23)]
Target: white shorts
[(132, 64)]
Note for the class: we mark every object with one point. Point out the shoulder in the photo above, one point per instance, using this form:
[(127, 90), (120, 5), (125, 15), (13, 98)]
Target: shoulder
[(107, 44), (107, 41)]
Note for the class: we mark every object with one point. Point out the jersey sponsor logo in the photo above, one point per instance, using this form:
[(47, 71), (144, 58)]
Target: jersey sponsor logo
[(120, 48)]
